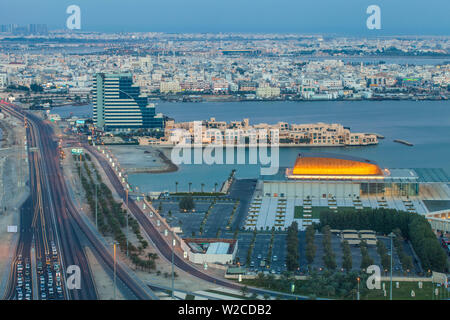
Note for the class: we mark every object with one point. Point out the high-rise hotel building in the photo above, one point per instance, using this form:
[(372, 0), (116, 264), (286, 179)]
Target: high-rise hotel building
[(119, 106)]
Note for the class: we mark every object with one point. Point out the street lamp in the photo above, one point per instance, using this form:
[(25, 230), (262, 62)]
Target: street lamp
[(127, 218), (391, 235), (96, 220), (173, 250), (357, 294), (114, 249)]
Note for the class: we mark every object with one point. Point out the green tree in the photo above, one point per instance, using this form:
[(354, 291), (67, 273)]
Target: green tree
[(347, 262), (292, 250), (186, 203)]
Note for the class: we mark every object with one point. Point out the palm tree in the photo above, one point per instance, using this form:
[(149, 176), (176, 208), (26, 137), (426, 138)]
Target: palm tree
[(244, 291), (176, 186), (190, 184)]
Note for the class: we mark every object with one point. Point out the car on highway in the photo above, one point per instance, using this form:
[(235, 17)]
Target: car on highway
[(43, 296), (51, 291), (27, 296), (275, 258), (19, 296), (59, 292)]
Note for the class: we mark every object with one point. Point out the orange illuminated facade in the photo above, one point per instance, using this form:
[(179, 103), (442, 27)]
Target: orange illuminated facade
[(334, 165)]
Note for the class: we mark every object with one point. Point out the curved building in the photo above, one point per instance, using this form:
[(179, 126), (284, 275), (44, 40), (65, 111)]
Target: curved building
[(325, 164), (119, 105)]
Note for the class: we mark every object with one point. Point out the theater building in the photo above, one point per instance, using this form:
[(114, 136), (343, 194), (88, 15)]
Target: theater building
[(323, 175), (320, 181)]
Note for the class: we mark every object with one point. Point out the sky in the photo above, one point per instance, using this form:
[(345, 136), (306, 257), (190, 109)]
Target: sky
[(343, 17)]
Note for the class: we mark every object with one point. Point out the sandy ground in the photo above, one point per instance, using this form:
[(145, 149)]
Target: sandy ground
[(13, 191), (143, 159), (184, 281), (103, 281)]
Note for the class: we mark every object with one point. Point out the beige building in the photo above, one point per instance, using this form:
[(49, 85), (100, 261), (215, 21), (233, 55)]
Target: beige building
[(170, 87), (317, 134), (267, 92)]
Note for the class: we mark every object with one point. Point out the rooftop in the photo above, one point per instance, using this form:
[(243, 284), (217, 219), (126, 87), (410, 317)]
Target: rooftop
[(328, 164)]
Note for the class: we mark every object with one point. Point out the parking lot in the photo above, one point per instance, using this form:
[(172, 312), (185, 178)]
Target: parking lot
[(217, 219), (190, 223)]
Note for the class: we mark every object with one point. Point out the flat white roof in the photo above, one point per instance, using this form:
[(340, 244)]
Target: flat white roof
[(218, 248)]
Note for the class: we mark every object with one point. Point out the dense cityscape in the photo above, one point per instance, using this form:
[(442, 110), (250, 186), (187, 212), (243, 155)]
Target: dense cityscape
[(229, 67)]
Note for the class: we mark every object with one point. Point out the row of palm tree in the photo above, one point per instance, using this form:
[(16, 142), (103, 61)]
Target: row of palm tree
[(190, 185)]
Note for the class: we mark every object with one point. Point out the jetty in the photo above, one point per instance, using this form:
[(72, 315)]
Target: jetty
[(403, 142)]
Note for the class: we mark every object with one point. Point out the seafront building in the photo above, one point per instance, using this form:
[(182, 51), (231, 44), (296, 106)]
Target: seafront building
[(119, 105), (314, 134), (319, 181)]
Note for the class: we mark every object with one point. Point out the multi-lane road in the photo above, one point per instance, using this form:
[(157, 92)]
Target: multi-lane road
[(51, 227), (56, 227)]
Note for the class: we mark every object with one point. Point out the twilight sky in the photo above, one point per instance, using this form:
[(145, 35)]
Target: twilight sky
[(398, 17)]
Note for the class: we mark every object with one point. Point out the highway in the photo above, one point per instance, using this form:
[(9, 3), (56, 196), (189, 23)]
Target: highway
[(59, 218), (49, 232), (68, 217)]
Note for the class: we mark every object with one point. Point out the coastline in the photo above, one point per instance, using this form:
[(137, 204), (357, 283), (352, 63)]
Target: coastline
[(168, 166), (135, 159)]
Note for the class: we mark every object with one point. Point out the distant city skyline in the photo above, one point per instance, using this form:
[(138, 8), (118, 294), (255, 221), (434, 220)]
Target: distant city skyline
[(347, 17)]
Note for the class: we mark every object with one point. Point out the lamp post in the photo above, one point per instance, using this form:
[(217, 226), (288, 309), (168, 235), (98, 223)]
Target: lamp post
[(96, 220), (127, 220), (114, 249), (173, 274), (357, 294), (391, 235)]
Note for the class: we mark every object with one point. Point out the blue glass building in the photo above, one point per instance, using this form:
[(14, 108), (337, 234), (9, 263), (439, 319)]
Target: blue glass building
[(119, 105)]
